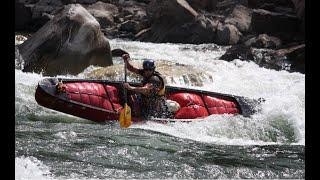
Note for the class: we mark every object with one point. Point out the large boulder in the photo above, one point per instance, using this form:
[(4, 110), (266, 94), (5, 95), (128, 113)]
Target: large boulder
[(264, 41), (209, 5), (133, 8), (294, 56), (130, 26), (176, 11), (225, 7), (80, 1), (67, 44), (299, 8), (103, 12), (23, 16), (240, 17), (43, 11), (297, 58), (227, 34), (264, 21), (274, 5), (238, 51), (177, 22), (291, 59), (31, 15)]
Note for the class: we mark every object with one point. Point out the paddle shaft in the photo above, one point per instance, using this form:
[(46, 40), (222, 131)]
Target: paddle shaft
[(125, 80)]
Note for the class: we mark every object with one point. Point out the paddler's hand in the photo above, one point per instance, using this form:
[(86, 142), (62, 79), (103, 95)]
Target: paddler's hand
[(125, 57), (127, 86)]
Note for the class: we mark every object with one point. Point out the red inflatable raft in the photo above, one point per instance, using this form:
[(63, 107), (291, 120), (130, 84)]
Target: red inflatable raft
[(101, 100)]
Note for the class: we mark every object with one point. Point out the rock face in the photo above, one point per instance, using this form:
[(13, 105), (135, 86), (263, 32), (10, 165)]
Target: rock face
[(209, 5), (32, 15), (299, 8), (23, 16), (67, 44), (238, 51), (264, 41), (227, 34), (176, 21), (251, 24), (241, 18), (291, 59), (103, 12), (264, 21)]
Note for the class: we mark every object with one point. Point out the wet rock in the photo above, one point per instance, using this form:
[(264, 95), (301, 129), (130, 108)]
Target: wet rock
[(130, 26), (43, 11), (225, 7), (81, 1), (103, 12), (223, 22), (67, 44), (291, 59), (295, 56), (208, 5), (300, 11), (240, 17), (299, 8), (264, 21), (177, 22), (238, 51), (144, 1), (264, 41), (23, 16), (257, 4), (227, 34), (31, 15), (137, 10)]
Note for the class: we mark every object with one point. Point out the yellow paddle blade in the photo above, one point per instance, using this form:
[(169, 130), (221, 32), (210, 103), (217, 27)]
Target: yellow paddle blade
[(125, 116)]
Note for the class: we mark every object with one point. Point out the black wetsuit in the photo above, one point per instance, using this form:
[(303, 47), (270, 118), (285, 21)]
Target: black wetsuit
[(154, 104)]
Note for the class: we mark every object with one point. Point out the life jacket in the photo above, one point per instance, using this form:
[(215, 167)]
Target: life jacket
[(161, 92), (155, 104)]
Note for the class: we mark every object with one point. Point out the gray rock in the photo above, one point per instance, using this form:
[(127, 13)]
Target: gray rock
[(130, 26), (23, 16), (291, 59), (177, 22), (264, 21), (269, 5), (82, 1), (227, 34), (208, 5), (240, 17), (103, 12), (67, 44), (227, 5), (264, 41), (300, 10), (238, 51)]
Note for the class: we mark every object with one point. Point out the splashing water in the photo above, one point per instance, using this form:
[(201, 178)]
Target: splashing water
[(280, 122)]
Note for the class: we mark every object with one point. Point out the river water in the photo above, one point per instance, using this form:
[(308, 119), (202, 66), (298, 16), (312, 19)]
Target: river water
[(270, 144)]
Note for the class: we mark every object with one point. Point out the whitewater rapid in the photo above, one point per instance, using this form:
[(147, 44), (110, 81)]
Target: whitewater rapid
[(281, 120)]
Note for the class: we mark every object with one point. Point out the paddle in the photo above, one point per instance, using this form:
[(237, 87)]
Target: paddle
[(125, 113)]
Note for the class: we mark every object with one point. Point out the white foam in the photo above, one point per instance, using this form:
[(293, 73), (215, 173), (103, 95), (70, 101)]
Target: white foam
[(31, 168), (66, 135), (284, 93)]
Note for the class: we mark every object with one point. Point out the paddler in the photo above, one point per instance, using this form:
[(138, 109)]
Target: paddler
[(152, 91)]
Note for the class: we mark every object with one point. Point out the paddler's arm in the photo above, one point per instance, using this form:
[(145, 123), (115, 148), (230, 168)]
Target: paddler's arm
[(145, 90), (126, 58)]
